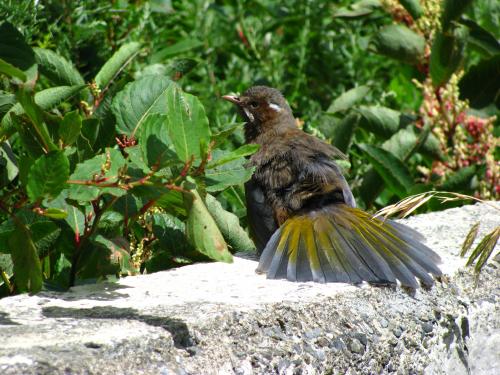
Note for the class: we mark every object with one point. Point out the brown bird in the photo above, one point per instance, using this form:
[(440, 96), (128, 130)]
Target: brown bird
[(302, 214)]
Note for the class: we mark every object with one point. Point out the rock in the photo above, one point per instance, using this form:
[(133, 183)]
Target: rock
[(224, 319)]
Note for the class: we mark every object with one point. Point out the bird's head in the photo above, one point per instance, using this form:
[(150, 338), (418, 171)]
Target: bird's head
[(263, 109)]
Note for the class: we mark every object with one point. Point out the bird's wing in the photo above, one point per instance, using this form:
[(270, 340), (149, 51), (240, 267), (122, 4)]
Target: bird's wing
[(260, 215)]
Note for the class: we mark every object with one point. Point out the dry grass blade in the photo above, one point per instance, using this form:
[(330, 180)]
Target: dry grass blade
[(490, 244), (484, 249), (469, 240)]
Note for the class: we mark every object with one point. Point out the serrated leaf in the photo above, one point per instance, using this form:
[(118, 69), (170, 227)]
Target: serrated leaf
[(187, 123), (400, 43), (448, 51), (116, 64), (202, 231), (223, 134), (48, 175), (156, 146), (57, 68), (348, 99), (111, 162), (469, 239), (70, 128), (480, 85), (223, 176), (27, 268), (392, 170), (245, 150), (229, 226), (139, 99)]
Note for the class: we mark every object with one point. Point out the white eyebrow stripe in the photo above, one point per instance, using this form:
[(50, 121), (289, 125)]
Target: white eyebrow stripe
[(275, 107)]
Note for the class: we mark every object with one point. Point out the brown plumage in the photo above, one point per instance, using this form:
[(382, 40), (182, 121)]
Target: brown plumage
[(302, 213)]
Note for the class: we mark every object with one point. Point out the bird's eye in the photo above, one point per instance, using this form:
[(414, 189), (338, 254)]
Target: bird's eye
[(254, 104)]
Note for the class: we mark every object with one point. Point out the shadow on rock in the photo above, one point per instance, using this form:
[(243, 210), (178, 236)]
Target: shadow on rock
[(177, 328), (5, 321), (98, 292)]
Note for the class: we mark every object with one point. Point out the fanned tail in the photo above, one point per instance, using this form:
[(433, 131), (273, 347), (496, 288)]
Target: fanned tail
[(339, 243)]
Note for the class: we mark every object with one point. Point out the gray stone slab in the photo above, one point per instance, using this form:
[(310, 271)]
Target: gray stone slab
[(225, 319)]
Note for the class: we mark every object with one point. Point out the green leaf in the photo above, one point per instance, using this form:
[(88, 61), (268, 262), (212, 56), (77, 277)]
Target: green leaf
[(348, 99), (479, 37), (358, 9), (223, 134), (70, 128), (390, 168), (413, 7), (240, 152), (57, 68), (400, 43), (448, 51), (171, 233), (480, 85), (104, 167), (175, 49), (116, 64), (452, 10), (27, 268), (382, 121), (229, 226), (459, 180), (15, 51), (156, 146), (46, 99), (48, 175), (187, 123), (342, 133), (223, 176), (202, 231), (11, 71), (7, 101), (119, 248), (179, 68), (55, 213), (139, 99), (8, 164)]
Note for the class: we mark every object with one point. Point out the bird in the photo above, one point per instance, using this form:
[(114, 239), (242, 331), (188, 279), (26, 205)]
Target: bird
[(302, 214)]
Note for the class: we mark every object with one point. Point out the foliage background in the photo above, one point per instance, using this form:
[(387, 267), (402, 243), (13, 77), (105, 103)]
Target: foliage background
[(408, 125)]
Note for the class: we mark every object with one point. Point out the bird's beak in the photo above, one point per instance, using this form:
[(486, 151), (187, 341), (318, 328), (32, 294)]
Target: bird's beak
[(232, 98)]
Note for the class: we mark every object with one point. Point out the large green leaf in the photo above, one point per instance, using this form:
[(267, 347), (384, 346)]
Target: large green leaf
[(229, 226), (8, 164), (15, 51), (239, 153), (70, 128), (482, 39), (481, 84), (11, 71), (202, 231), (223, 176), (116, 64), (459, 181), (348, 99), (57, 68), (7, 101), (342, 132), (358, 9), (48, 175), (45, 99), (105, 167), (187, 123), (382, 121), (390, 168), (156, 146), (413, 7), (448, 51), (27, 268), (452, 10), (400, 43), (139, 99)]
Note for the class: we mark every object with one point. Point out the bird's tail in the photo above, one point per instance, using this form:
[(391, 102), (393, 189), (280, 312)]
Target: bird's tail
[(339, 243)]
